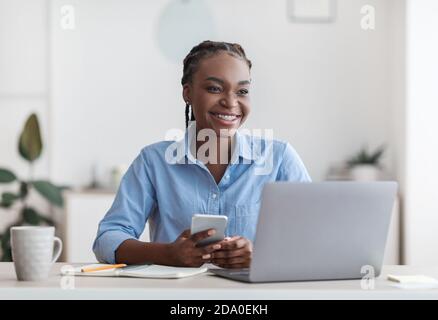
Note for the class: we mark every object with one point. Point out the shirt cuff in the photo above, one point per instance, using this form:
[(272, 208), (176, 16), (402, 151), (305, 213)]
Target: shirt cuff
[(106, 245)]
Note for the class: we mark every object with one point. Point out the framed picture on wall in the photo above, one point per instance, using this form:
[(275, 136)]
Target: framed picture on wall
[(317, 11)]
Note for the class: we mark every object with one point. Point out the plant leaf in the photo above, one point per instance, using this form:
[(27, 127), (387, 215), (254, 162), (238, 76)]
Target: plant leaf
[(22, 151), (30, 145), (363, 157), (7, 255), (377, 155), (48, 221), (23, 189), (64, 187), (8, 199), (6, 176), (49, 191), (31, 217), (5, 204), (5, 239), (6, 246)]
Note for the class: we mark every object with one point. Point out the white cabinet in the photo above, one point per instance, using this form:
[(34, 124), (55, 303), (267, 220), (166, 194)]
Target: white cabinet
[(80, 219)]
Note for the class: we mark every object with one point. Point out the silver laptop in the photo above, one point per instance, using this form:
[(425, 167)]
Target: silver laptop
[(319, 231)]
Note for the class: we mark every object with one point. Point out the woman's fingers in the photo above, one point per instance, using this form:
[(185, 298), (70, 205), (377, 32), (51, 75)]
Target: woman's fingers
[(231, 261), (233, 244), (185, 234), (210, 248), (202, 235), (207, 251), (231, 253)]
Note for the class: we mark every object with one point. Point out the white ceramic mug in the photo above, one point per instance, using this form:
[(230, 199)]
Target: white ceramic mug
[(34, 250)]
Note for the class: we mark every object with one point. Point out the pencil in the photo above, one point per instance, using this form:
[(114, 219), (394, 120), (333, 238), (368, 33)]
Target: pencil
[(113, 266)]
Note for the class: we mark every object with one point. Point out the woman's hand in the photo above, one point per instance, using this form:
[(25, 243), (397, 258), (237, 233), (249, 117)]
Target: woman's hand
[(235, 252), (184, 251)]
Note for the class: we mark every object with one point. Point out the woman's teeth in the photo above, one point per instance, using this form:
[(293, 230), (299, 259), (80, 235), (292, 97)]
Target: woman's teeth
[(226, 117)]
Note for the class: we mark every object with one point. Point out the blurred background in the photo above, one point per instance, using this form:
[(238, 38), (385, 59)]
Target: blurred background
[(351, 84)]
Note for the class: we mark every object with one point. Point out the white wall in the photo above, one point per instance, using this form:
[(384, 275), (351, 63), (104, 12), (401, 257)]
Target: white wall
[(23, 88), (323, 87), (397, 54), (421, 133), (23, 85)]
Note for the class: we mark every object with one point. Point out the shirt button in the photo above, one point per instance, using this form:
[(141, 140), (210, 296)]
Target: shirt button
[(214, 195), (227, 176)]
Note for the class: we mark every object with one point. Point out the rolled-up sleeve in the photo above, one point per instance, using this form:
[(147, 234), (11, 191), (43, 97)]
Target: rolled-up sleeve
[(129, 212), (292, 168)]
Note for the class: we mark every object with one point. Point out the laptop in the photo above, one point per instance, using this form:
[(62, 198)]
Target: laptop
[(319, 231)]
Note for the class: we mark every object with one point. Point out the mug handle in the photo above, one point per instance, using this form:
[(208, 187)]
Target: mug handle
[(57, 249)]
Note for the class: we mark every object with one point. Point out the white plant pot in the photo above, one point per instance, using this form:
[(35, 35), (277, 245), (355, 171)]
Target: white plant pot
[(365, 172)]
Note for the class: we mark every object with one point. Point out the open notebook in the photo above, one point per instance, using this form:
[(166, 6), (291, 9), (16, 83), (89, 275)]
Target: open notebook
[(136, 271)]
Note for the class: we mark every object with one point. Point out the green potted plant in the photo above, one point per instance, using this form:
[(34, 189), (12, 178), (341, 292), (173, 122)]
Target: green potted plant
[(365, 165), (30, 147)]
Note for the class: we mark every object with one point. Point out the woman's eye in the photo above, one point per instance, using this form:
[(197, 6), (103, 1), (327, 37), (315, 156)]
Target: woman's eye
[(243, 92), (213, 89)]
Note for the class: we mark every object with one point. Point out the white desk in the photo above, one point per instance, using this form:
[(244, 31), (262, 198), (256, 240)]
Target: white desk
[(206, 286)]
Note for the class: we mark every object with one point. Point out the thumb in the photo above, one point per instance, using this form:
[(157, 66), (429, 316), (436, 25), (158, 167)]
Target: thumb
[(185, 234)]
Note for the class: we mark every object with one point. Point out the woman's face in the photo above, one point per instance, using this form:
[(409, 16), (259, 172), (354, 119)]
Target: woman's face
[(219, 93)]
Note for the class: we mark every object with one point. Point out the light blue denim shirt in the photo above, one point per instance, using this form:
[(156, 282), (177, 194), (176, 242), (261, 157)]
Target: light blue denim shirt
[(168, 194)]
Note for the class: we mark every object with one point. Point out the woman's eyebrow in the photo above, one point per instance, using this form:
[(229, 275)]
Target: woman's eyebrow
[(243, 82)]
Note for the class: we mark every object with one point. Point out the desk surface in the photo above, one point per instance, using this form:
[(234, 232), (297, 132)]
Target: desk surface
[(205, 286)]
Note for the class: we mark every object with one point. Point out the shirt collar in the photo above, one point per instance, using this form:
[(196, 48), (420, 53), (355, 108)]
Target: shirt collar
[(242, 147)]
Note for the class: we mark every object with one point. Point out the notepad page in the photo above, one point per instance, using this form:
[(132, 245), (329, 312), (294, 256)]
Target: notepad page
[(137, 271), (159, 271), (413, 281)]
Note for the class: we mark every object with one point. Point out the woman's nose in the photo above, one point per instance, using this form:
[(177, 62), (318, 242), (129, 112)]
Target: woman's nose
[(230, 101)]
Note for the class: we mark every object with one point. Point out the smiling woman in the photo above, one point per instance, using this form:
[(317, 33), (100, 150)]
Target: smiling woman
[(215, 87), (216, 81)]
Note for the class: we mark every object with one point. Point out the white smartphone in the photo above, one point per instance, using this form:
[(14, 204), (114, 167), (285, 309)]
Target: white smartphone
[(201, 222)]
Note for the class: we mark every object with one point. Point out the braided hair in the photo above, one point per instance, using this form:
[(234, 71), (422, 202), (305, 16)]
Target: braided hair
[(203, 50)]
